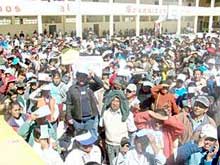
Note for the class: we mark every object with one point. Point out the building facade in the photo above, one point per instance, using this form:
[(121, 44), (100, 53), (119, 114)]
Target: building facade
[(109, 16)]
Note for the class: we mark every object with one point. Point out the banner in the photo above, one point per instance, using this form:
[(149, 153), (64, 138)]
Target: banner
[(69, 57), (89, 63)]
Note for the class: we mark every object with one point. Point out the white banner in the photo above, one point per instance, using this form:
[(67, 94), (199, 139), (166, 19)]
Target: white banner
[(89, 63)]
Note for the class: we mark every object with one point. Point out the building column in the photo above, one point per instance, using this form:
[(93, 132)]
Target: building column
[(39, 24), (111, 26), (180, 2), (137, 19), (196, 18), (111, 22), (78, 20), (160, 2), (137, 25), (211, 17)]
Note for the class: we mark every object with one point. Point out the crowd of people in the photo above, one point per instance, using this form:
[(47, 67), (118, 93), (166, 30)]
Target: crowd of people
[(157, 101)]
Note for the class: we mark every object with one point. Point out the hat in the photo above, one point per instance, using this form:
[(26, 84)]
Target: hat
[(2, 67), (20, 85), (9, 71), (204, 100), (148, 83), (86, 139), (209, 131), (132, 87), (12, 79), (211, 61), (46, 88), (42, 111), (81, 74), (124, 141), (181, 77)]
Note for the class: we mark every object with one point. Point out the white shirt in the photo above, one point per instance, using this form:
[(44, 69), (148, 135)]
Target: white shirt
[(112, 120), (78, 157), (134, 159)]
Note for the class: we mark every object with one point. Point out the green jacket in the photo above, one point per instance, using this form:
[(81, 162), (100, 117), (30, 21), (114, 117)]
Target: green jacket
[(27, 131)]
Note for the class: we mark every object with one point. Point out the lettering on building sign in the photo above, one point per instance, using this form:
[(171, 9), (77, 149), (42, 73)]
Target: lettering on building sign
[(143, 10), (65, 8), (10, 9)]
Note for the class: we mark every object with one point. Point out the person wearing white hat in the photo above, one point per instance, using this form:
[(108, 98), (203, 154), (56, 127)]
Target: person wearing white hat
[(39, 118), (201, 151), (131, 95), (86, 150)]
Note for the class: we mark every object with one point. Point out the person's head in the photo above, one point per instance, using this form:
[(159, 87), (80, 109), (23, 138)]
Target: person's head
[(209, 134), (15, 110), (131, 91), (34, 84), (85, 140), (141, 144), (56, 78), (165, 89), (124, 145), (200, 106), (82, 78), (42, 114), (146, 86), (197, 74), (179, 83), (20, 88), (115, 104)]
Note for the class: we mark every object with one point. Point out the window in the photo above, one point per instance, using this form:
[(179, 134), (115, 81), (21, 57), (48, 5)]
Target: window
[(144, 18), (70, 19), (5, 20), (128, 18), (94, 19), (116, 18), (51, 19)]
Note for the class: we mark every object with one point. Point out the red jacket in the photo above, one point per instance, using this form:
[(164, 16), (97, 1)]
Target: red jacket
[(162, 100), (172, 129)]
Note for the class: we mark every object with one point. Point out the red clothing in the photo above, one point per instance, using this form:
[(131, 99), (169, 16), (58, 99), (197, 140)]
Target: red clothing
[(162, 100), (3, 88), (172, 129), (142, 120)]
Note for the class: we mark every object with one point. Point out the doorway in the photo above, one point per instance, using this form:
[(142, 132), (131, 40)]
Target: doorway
[(52, 29), (96, 29)]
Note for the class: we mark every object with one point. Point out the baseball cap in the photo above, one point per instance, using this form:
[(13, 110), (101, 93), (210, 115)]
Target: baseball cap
[(209, 131), (204, 100), (86, 139), (132, 87)]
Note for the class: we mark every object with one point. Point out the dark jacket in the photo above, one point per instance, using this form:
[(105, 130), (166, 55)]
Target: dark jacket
[(73, 102)]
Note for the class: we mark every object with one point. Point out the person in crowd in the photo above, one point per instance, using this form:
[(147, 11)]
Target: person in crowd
[(139, 155), (17, 117), (58, 90), (81, 103), (46, 99), (163, 98), (195, 119), (131, 95), (44, 147), (86, 151), (38, 118), (145, 96), (116, 114), (124, 148), (200, 151)]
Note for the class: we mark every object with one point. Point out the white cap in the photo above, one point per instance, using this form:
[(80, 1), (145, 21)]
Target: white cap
[(181, 77), (42, 111), (211, 61), (132, 87), (209, 131), (148, 83)]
